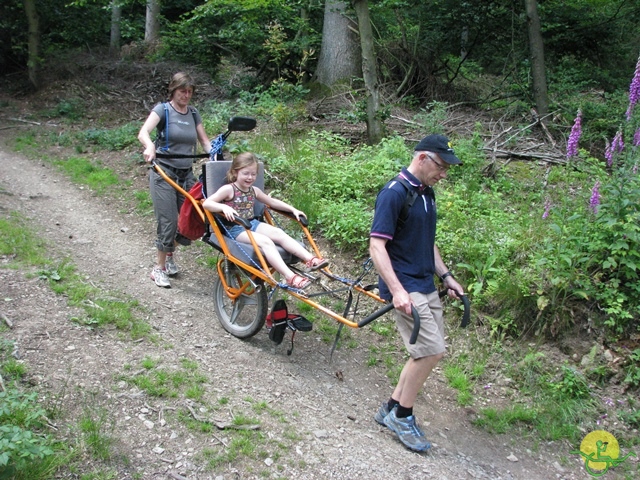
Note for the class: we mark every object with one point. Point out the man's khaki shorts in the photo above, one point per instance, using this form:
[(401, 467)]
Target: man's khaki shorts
[(431, 338)]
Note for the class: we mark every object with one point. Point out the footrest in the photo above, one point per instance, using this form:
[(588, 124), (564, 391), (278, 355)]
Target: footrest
[(300, 323)]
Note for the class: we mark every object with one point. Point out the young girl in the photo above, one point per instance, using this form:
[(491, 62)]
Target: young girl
[(236, 199)]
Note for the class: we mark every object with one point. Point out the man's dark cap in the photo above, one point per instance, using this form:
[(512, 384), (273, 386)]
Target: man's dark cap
[(441, 145)]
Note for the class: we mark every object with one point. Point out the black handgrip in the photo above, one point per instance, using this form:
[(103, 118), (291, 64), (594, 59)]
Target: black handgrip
[(181, 155), (467, 312), (374, 315), (239, 220), (385, 309), (466, 316), (303, 219)]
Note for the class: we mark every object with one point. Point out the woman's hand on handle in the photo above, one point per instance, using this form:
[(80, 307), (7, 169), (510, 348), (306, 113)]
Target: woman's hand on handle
[(149, 154)]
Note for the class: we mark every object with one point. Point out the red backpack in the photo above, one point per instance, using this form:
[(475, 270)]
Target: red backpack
[(190, 224)]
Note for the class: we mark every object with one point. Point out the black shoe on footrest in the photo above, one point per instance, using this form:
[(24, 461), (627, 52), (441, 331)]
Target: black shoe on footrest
[(300, 323)]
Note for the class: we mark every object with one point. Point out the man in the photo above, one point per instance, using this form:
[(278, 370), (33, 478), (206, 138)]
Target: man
[(406, 258)]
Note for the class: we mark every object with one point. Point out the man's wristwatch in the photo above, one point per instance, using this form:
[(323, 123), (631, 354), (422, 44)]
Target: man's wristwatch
[(445, 275)]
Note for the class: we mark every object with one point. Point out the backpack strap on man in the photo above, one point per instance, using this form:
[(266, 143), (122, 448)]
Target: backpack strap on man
[(409, 200)]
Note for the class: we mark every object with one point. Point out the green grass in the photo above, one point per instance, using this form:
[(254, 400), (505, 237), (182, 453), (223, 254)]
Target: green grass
[(93, 428), (24, 248), (554, 401), (161, 382), (82, 171), (243, 444), (19, 242)]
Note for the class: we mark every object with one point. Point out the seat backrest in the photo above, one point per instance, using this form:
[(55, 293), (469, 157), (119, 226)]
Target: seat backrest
[(214, 176)]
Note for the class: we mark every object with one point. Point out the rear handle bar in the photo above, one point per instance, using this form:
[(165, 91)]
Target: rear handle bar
[(467, 307), (388, 307)]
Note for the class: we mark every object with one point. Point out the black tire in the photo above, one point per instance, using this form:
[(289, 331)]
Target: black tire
[(245, 316)]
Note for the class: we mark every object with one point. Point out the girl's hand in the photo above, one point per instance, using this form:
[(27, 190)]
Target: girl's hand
[(297, 213), (229, 213)]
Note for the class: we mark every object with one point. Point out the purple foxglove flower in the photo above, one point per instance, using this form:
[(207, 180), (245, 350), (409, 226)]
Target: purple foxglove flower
[(608, 153), (634, 90), (617, 145), (547, 207), (636, 138), (595, 198), (574, 137)]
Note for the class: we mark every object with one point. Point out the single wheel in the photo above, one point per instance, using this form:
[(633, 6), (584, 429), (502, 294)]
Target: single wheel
[(243, 316)]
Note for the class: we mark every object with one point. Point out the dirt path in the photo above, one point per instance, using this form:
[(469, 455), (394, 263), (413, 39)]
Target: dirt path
[(315, 426)]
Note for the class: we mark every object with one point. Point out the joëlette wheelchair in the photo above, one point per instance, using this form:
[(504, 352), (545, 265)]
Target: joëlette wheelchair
[(246, 284)]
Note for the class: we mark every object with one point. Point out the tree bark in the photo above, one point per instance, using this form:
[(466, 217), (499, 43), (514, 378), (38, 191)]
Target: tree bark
[(116, 15), (339, 57), (152, 24), (33, 63), (369, 72), (536, 53)]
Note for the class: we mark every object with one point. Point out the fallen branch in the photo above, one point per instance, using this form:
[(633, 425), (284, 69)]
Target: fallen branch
[(177, 476), (24, 121), (6, 320), (546, 157), (221, 425)]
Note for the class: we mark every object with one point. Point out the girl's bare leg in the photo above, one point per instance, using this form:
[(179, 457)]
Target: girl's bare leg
[(270, 251), (280, 237)]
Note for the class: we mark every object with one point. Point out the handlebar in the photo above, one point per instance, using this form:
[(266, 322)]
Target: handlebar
[(303, 219), (467, 307), (388, 307)]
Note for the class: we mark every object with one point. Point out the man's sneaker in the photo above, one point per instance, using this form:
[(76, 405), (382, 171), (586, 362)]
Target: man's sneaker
[(170, 266), (407, 431), (382, 412), (159, 276)]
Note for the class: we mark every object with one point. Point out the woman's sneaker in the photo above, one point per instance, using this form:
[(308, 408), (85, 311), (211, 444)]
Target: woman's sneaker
[(159, 276), (170, 266), (408, 431)]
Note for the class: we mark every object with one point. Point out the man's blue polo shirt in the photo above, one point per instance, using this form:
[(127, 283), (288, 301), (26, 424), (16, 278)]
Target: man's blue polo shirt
[(410, 248)]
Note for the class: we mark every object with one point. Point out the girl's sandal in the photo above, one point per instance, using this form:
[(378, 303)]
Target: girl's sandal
[(299, 282), (316, 263)]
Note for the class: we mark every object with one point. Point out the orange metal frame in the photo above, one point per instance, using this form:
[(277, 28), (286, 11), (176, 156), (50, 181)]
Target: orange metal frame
[(265, 273)]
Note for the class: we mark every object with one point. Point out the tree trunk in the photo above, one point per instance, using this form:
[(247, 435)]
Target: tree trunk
[(369, 72), (152, 24), (33, 63), (339, 57), (116, 15), (536, 53)]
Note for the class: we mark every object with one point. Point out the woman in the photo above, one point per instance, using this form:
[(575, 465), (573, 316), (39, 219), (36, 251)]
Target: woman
[(236, 199), (179, 131)]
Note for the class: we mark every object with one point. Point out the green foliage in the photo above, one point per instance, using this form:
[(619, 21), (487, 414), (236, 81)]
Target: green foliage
[(261, 34), (633, 369), (336, 187), (571, 384), (71, 109), (559, 402), (21, 443), (113, 139)]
